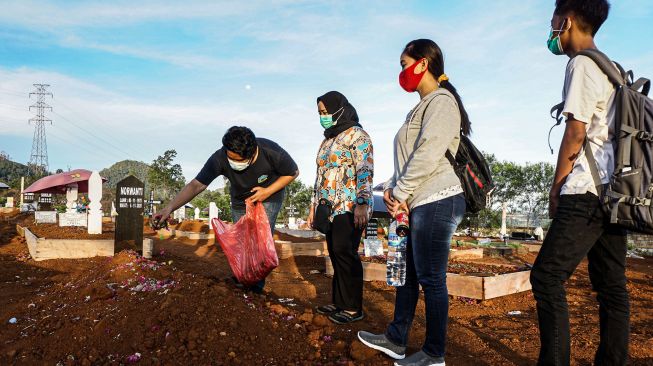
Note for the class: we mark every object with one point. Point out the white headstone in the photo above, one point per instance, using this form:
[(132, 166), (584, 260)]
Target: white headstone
[(197, 213), (504, 213), (95, 208), (539, 233), (213, 213), (10, 202), (73, 219), (114, 213), (22, 188), (180, 213), (71, 197), (45, 217), (292, 223)]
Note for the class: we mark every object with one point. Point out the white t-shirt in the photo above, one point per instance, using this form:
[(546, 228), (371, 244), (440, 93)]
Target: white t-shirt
[(589, 98)]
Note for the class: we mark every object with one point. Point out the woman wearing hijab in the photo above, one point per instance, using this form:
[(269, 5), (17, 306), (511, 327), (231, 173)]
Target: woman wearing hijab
[(342, 202)]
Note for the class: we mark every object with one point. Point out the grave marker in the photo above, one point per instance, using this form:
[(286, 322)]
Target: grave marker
[(213, 213), (130, 197), (10, 202), (73, 219), (197, 213), (151, 203), (95, 207), (45, 202), (45, 217), (71, 197), (372, 229)]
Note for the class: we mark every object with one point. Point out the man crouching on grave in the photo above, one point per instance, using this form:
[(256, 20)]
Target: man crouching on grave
[(258, 170)]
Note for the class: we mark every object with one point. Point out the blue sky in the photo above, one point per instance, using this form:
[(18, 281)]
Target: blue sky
[(133, 79)]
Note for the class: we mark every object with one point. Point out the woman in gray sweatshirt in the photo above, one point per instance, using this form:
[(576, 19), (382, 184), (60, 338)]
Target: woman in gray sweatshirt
[(425, 185)]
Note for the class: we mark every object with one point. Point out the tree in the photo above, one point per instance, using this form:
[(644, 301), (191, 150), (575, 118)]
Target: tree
[(534, 199), (299, 195), (165, 177), (524, 188)]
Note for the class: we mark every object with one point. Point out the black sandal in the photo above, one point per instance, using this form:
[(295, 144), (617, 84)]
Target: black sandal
[(343, 317), (327, 309)]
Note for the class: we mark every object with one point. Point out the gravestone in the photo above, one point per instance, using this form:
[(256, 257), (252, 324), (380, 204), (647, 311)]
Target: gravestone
[(45, 202), (373, 246), (114, 213), (22, 188), (504, 213), (180, 214), (45, 217), (95, 207), (71, 197), (197, 213), (73, 219), (372, 229), (151, 204), (10, 202), (130, 197), (213, 213)]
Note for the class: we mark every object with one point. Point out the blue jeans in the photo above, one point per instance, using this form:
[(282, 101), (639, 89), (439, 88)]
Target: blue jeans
[(427, 256), (272, 209)]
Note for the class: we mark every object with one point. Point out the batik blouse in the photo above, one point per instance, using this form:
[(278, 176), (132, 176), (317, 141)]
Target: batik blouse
[(345, 168)]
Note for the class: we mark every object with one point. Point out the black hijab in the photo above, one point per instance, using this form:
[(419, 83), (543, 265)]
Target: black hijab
[(347, 117)]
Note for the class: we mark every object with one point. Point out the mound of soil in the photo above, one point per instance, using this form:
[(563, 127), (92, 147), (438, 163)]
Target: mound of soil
[(196, 226), (127, 309), (481, 266), (92, 311), (295, 239), (54, 231)]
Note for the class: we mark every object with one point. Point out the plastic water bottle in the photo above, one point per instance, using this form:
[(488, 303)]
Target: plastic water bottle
[(396, 259)]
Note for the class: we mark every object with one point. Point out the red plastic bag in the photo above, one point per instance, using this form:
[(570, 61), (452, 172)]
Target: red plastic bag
[(248, 245)]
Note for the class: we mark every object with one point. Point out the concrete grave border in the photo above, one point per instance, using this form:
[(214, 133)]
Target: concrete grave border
[(43, 249), (470, 286)]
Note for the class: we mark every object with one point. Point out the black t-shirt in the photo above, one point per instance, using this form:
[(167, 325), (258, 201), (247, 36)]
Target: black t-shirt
[(272, 163)]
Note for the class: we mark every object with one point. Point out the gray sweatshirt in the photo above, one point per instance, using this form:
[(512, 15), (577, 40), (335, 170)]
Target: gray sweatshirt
[(421, 167)]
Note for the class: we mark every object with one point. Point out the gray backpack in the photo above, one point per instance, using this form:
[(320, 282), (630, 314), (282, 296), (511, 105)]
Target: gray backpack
[(627, 198)]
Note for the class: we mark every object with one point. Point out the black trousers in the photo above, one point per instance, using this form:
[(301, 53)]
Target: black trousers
[(581, 229), (342, 242)]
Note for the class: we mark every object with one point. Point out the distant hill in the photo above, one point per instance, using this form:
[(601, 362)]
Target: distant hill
[(11, 171), (121, 169)]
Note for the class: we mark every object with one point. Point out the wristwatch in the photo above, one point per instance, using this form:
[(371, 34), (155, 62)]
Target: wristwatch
[(361, 201)]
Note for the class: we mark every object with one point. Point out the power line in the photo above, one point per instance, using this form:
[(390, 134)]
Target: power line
[(38, 161), (96, 136)]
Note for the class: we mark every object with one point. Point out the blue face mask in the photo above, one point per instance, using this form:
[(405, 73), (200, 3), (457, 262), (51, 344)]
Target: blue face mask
[(553, 43), (327, 120)]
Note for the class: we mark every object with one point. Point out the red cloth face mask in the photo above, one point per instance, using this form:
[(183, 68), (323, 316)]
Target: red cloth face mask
[(408, 79)]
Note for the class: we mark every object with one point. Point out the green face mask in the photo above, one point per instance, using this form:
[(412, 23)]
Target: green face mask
[(553, 43), (327, 120)]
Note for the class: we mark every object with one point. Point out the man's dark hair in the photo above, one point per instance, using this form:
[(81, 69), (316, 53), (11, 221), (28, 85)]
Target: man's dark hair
[(240, 140), (590, 13)]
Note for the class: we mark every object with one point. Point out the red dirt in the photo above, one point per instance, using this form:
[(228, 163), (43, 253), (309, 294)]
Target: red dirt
[(196, 226), (295, 239), (114, 323), (54, 231)]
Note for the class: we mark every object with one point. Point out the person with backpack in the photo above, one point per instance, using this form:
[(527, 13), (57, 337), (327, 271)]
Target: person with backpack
[(426, 186), (342, 202), (580, 227)]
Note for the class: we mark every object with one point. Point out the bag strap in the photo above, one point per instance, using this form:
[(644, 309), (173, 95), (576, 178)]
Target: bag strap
[(593, 170), (616, 77), (447, 154), (642, 83)]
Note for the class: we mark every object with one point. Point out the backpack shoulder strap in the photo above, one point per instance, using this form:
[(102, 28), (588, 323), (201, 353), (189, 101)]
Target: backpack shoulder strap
[(448, 153), (604, 63)]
